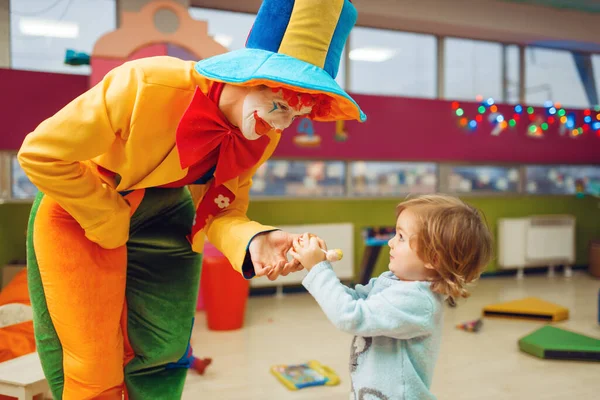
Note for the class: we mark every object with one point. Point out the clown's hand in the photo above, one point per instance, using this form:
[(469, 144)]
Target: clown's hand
[(268, 252)]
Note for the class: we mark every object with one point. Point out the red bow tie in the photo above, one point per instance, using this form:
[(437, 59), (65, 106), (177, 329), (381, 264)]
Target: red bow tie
[(204, 128)]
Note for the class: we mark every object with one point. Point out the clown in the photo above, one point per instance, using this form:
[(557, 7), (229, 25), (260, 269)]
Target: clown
[(136, 171)]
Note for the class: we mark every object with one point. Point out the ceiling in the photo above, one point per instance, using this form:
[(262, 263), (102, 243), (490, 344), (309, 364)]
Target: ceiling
[(252, 5), (589, 6)]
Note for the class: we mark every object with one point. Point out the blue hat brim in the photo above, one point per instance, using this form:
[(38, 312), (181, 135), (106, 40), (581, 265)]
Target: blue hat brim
[(248, 67)]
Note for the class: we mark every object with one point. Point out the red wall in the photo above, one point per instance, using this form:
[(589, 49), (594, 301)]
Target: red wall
[(419, 129), (103, 65), (27, 98), (397, 128)]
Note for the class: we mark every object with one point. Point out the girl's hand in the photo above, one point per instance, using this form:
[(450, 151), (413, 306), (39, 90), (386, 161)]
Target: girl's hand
[(308, 250)]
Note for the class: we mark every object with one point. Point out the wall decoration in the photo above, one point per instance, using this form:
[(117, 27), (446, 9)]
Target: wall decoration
[(341, 135), (306, 136), (494, 118), (143, 34), (539, 120), (76, 58)]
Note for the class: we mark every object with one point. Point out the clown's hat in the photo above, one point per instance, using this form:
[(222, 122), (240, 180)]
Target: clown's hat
[(294, 44)]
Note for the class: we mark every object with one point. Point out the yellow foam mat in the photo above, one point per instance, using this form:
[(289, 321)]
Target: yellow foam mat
[(528, 308)]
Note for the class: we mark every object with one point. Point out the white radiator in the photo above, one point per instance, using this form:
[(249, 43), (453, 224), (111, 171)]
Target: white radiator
[(536, 241)]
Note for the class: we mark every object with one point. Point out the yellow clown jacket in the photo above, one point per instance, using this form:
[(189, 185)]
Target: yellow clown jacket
[(127, 124)]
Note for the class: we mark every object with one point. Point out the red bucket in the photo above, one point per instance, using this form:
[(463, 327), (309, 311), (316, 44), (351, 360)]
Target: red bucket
[(224, 291)]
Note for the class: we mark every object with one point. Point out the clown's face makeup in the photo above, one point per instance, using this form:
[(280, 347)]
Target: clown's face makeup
[(265, 110)]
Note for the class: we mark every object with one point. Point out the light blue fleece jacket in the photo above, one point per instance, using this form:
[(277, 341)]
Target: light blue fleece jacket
[(397, 327)]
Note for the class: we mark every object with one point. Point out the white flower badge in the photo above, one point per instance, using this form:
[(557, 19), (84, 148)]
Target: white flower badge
[(222, 201)]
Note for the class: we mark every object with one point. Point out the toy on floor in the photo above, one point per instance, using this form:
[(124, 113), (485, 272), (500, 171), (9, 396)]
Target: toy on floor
[(471, 326), (560, 344), (528, 308), (192, 362), (301, 376), (200, 364)]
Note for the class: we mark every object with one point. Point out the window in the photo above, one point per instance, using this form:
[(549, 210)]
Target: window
[(392, 63), (596, 72), (552, 76), (229, 28), (341, 75), (557, 179), (511, 60), (480, 179), (21, 187), (4, 176), (475, 68), (42, 31), (14, 184), (282, 178), (392, 178)]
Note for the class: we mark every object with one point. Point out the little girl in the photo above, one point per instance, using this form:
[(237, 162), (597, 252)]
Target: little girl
[(441, 245)]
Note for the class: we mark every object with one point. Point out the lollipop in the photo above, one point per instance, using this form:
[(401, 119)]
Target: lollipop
[(333, 255)]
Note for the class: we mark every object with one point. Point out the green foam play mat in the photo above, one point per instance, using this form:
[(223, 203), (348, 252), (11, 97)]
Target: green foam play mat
[(560, 344)]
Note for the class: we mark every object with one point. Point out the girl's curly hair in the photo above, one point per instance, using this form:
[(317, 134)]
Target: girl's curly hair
[(453, 237)]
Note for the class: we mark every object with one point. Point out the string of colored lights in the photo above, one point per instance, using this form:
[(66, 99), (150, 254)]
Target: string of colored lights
[(538, 122)]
